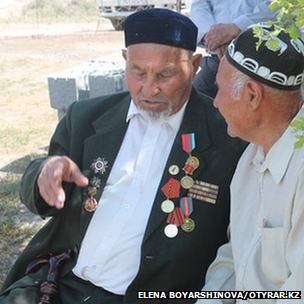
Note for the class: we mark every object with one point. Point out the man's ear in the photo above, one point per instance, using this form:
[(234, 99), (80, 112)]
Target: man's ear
[(124, 54), (254, 92), (197, 59)]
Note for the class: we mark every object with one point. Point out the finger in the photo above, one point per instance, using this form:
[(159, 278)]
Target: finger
[(46, 190), (49, 182), (78, 178), (49, 191), (57, 192)]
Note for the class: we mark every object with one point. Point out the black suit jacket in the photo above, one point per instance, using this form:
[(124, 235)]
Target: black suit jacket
[(95, 128)]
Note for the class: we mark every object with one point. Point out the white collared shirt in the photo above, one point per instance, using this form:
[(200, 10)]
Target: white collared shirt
[(266, 223), (110, 253)]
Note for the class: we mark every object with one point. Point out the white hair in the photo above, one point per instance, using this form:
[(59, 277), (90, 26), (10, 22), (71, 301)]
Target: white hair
[(238, 80), (286, 101)]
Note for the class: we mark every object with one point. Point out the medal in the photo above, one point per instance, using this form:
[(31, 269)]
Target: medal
[(99, 165), (171, 190), (192, 162), (187, 182), (167, 206), (92, 191), (186, 204), (90, 205), (171, 231), (173, 169), (188, 225)]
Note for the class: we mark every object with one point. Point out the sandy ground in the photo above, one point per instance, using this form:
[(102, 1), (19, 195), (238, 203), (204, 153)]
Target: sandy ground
[(31, 53)]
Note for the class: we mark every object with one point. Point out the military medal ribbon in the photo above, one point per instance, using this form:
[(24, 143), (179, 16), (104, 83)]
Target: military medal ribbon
[(172, 188), (188, 141), (186, 204)]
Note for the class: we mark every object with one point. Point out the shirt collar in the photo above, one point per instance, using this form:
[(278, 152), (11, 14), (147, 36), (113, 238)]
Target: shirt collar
[(278, 157), (174, 121)]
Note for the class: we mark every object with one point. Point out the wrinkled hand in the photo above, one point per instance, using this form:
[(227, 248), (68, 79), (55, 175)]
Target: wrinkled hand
[(55, 170), (220, 51), (220, 34)]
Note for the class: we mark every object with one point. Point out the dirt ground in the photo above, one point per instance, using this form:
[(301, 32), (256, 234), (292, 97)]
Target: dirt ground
[(31, 53)]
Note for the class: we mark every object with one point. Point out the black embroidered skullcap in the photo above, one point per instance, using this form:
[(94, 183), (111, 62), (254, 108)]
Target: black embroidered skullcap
[(160, 26), (281, 68)]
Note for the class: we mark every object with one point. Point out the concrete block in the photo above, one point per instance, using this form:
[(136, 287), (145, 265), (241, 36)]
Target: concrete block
[(62, 92), (107, 83), (97, 77)]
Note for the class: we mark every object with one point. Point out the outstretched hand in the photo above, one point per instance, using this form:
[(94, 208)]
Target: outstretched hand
[(55, 170)]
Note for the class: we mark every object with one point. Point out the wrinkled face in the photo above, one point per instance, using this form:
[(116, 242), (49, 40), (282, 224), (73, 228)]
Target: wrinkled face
[(234, 111), (159, 77)]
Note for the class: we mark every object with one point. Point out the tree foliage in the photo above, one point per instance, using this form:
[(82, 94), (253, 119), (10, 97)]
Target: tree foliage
[(290, 17)]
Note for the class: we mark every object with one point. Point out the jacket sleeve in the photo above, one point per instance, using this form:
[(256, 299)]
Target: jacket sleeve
[(28, 191)]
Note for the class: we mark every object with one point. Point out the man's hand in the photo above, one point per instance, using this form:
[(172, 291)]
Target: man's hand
[(55, 170), (220, 51), (220, 34)]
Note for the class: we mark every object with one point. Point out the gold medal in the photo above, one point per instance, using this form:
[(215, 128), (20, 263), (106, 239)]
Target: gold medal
[(92, 191), (174, 169), (187, 182), (188, 225), (90, 205), (167, 206), (192, 164), (171, 231)]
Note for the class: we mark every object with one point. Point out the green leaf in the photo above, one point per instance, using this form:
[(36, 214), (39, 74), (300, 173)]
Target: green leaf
[(298, 125), (294, 32), (299, 144), (272, 44)]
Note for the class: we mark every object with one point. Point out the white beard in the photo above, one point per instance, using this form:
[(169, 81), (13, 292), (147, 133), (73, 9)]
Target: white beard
[(155, 116)]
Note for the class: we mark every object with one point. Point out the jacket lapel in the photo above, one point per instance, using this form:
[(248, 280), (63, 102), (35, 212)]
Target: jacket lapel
[(110, 129)]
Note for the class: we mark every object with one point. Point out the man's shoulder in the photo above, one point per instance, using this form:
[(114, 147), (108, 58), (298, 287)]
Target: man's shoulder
[(204, 111)]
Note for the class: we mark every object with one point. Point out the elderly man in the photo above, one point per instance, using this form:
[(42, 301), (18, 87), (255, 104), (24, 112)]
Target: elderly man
[(260, 96), (137, 183)]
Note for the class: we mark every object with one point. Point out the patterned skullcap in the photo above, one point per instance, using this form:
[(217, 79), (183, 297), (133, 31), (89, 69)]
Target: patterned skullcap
[(281, 68), (160, 26)]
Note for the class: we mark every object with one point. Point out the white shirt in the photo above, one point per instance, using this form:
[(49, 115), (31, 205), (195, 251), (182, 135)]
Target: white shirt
[(266, 250), (110, 253), (205, 13)]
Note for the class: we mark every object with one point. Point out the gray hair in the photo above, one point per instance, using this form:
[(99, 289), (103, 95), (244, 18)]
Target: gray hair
[(239, 80), (287, 101)]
